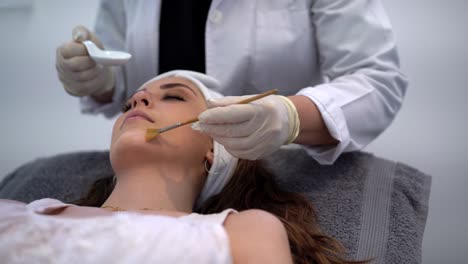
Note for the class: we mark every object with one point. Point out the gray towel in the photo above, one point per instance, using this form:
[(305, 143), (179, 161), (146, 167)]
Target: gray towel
[(375, 207), (66, 177)]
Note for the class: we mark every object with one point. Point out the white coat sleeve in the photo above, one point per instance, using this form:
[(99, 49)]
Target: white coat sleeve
[(111, 30), (363, 88)]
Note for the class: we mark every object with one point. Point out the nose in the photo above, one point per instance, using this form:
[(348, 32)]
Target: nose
[(140, 98)]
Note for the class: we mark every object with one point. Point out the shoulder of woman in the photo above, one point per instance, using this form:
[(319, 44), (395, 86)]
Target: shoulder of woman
[(254, 218), (257, 236)]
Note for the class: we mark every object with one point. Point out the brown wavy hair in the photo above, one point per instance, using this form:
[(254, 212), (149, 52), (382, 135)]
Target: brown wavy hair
[(253, 186)]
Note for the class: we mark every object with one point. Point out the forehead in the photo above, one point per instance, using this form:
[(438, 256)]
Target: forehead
[(157, 84)]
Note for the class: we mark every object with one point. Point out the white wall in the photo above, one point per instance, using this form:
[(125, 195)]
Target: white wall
[(39, 119)]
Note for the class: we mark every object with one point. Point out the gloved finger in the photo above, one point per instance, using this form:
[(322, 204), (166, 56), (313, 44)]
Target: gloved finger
[(78, 64), (69, 66), (228, 114), (85, 75), (81, 33), (237, 143), (246, 143), (72, 49), (60, 63), (224, 101), (228, 144), (248, 155), (82, 88), (237, 130), (251, 153)]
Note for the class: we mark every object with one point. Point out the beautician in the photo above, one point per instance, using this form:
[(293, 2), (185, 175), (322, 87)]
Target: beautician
[(335, 60)]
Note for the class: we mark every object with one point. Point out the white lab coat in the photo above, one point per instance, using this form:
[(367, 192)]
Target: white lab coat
[(339, 53)]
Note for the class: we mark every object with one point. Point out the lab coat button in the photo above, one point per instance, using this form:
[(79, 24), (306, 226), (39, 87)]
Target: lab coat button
[(216, 17)]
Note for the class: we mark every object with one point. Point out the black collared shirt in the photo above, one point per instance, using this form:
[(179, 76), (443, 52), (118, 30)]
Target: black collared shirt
[(182, 35)]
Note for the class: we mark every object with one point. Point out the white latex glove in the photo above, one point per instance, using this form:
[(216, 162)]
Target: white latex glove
[(79, 74), (250, 131)]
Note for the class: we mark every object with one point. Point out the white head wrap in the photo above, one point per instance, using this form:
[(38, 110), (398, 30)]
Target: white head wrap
[(224, 164)]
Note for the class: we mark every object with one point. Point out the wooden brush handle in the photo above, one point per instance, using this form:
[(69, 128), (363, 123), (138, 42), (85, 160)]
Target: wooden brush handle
[(245, 101), (193, 120), (258, 96)]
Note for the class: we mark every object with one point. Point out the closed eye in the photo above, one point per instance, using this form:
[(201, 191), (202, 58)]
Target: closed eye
[(173, 97)]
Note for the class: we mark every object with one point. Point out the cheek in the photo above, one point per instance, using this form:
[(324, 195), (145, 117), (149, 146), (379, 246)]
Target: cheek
[(116, 129), (185, 134), (114, 132), (187, 142)]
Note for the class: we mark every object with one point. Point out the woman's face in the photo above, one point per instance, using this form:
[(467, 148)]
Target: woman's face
[(159, 104)]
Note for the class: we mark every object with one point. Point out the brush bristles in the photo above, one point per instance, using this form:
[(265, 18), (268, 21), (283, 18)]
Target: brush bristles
[(151, 134)]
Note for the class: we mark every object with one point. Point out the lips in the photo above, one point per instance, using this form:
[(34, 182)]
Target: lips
[(140, 114)]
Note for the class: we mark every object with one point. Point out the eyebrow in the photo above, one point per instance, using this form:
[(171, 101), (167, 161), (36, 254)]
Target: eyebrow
[(172, 85)]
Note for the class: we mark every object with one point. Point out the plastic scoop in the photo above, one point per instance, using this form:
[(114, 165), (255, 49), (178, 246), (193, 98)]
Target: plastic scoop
[(106, 57)]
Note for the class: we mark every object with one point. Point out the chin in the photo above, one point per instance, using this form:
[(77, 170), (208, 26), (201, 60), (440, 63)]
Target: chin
[(130, 143), (133, 139)]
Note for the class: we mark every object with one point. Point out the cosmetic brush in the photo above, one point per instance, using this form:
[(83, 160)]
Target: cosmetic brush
[(152, 133)]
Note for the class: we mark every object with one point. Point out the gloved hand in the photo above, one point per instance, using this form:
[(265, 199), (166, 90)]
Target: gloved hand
[(250, 131), (79, 74)]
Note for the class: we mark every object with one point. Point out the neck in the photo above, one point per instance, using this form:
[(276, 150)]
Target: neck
[(155, 188)]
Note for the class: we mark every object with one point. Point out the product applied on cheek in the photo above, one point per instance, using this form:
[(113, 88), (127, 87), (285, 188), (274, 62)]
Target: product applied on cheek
[(152, 133)]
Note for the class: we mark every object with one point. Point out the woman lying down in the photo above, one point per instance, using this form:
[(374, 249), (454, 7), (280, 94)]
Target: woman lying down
[(145, 214)]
